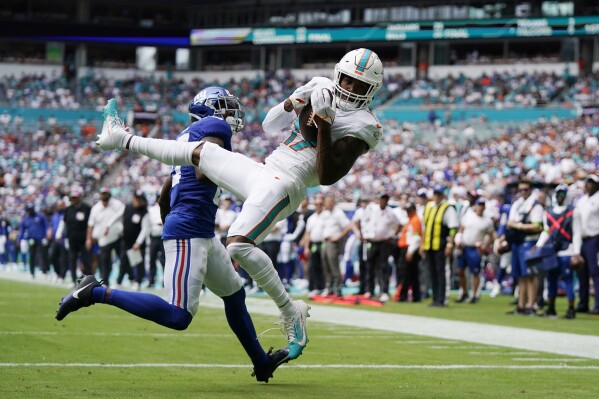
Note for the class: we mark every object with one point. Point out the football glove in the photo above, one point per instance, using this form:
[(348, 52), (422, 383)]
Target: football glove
[(301, 95), (323, 104)]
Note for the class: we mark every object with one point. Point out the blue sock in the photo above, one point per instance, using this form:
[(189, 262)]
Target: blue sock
[(147, 306), (99, 293), (241, 323)]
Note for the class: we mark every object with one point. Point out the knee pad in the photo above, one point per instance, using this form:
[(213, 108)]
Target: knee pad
[(240, 251)]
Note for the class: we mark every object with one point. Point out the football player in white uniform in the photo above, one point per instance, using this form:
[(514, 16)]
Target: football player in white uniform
[(273, 190)]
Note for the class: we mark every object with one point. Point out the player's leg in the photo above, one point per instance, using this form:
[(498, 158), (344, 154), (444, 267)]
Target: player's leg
[(224, 281), (269, 201), (172, 314)]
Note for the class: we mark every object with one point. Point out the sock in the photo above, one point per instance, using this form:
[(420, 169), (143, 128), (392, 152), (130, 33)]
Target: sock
[(260, 267), (168, 152), (99, 293), (241, 323), (147, 306)]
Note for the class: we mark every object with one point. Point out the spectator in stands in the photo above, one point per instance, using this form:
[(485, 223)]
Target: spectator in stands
[(409, 258), (75, 219), (136, 229), (525, 223), (33, 230), (105, 226), (440, 227), (475, 233), (586, 243), (335, 227)]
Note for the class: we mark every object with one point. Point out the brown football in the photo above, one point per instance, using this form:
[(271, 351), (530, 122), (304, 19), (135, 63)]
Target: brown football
[(308, 128)]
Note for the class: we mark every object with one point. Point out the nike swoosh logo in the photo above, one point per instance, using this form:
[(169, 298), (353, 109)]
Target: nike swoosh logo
[(76, 292), (299, 334)]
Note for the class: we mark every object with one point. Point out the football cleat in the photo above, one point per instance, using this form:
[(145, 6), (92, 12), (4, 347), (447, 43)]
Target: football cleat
[(275, 359), (114, 134), (79, 298), (295, 329)]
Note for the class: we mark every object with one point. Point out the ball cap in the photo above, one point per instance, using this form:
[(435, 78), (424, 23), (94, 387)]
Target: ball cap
[(480, 201), (384, 194), (422, 192), (29, 205), (76, 192), (104, 190), (593, 177), (439, 189)]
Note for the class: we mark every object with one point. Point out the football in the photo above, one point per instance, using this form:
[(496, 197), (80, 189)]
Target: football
[(307, 127)]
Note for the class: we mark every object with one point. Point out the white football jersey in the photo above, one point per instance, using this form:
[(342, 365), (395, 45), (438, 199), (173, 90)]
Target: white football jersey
[(296, 157)]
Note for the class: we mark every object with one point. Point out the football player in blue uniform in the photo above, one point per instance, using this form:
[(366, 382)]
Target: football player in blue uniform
[(194, 256)]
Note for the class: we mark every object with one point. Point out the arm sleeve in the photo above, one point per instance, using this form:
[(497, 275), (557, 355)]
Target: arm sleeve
[(299, 228), (145, 230), (60, 229), (277, 119), (576, 232)]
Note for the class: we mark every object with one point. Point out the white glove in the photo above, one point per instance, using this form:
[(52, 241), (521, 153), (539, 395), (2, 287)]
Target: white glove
[(323, 104), (301, 95), (114, 135)]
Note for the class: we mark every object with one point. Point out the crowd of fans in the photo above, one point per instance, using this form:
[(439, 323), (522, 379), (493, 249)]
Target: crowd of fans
[(41, 161)]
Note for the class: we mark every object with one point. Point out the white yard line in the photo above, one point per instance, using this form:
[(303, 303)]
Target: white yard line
[(305, 366), (579, 345)]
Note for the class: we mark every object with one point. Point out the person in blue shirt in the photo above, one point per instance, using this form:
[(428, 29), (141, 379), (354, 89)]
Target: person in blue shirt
[(33, 230), (194, 256), (57, 251)]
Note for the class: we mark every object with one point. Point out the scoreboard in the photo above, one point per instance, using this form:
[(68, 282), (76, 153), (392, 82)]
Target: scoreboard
[(404, 31)]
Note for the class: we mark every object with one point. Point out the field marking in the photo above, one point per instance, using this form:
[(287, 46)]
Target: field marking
[(311, 366), (568, 344)]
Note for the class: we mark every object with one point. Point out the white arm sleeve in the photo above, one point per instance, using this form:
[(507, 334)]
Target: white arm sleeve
[(145, 230), (576, 232), (278, 119)]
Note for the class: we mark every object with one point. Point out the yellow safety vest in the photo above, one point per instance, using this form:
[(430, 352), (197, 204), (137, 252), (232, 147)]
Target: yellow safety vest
[(434, 232)]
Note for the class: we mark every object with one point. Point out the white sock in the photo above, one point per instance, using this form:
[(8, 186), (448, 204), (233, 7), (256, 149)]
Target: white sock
[(168, 152), (260, 267)]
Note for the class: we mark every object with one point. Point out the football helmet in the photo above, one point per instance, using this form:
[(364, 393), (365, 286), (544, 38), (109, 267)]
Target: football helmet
[(361, 64), (217, 101)]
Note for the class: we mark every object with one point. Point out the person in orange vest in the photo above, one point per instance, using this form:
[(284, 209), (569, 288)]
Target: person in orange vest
[(409, 257)]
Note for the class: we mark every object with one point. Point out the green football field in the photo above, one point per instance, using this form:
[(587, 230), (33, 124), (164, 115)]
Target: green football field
[(103, 352)]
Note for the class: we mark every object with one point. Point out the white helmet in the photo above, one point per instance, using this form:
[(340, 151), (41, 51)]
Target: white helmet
[(361, 64)]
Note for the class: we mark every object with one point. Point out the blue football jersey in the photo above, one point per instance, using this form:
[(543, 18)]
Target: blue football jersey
[(194, 203)]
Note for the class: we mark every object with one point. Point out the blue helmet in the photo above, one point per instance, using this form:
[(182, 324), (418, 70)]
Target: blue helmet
[(217, 101)]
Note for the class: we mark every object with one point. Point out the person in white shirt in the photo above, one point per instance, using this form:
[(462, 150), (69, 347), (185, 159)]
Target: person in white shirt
[(586, 243), (155, 241), (356, 221), (312, 242), (106, 227), (336, 226), (476, 231), (524, 225), (379, 230)]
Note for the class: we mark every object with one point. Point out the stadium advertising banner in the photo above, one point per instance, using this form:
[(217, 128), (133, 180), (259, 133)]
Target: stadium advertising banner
[(405, 31)]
